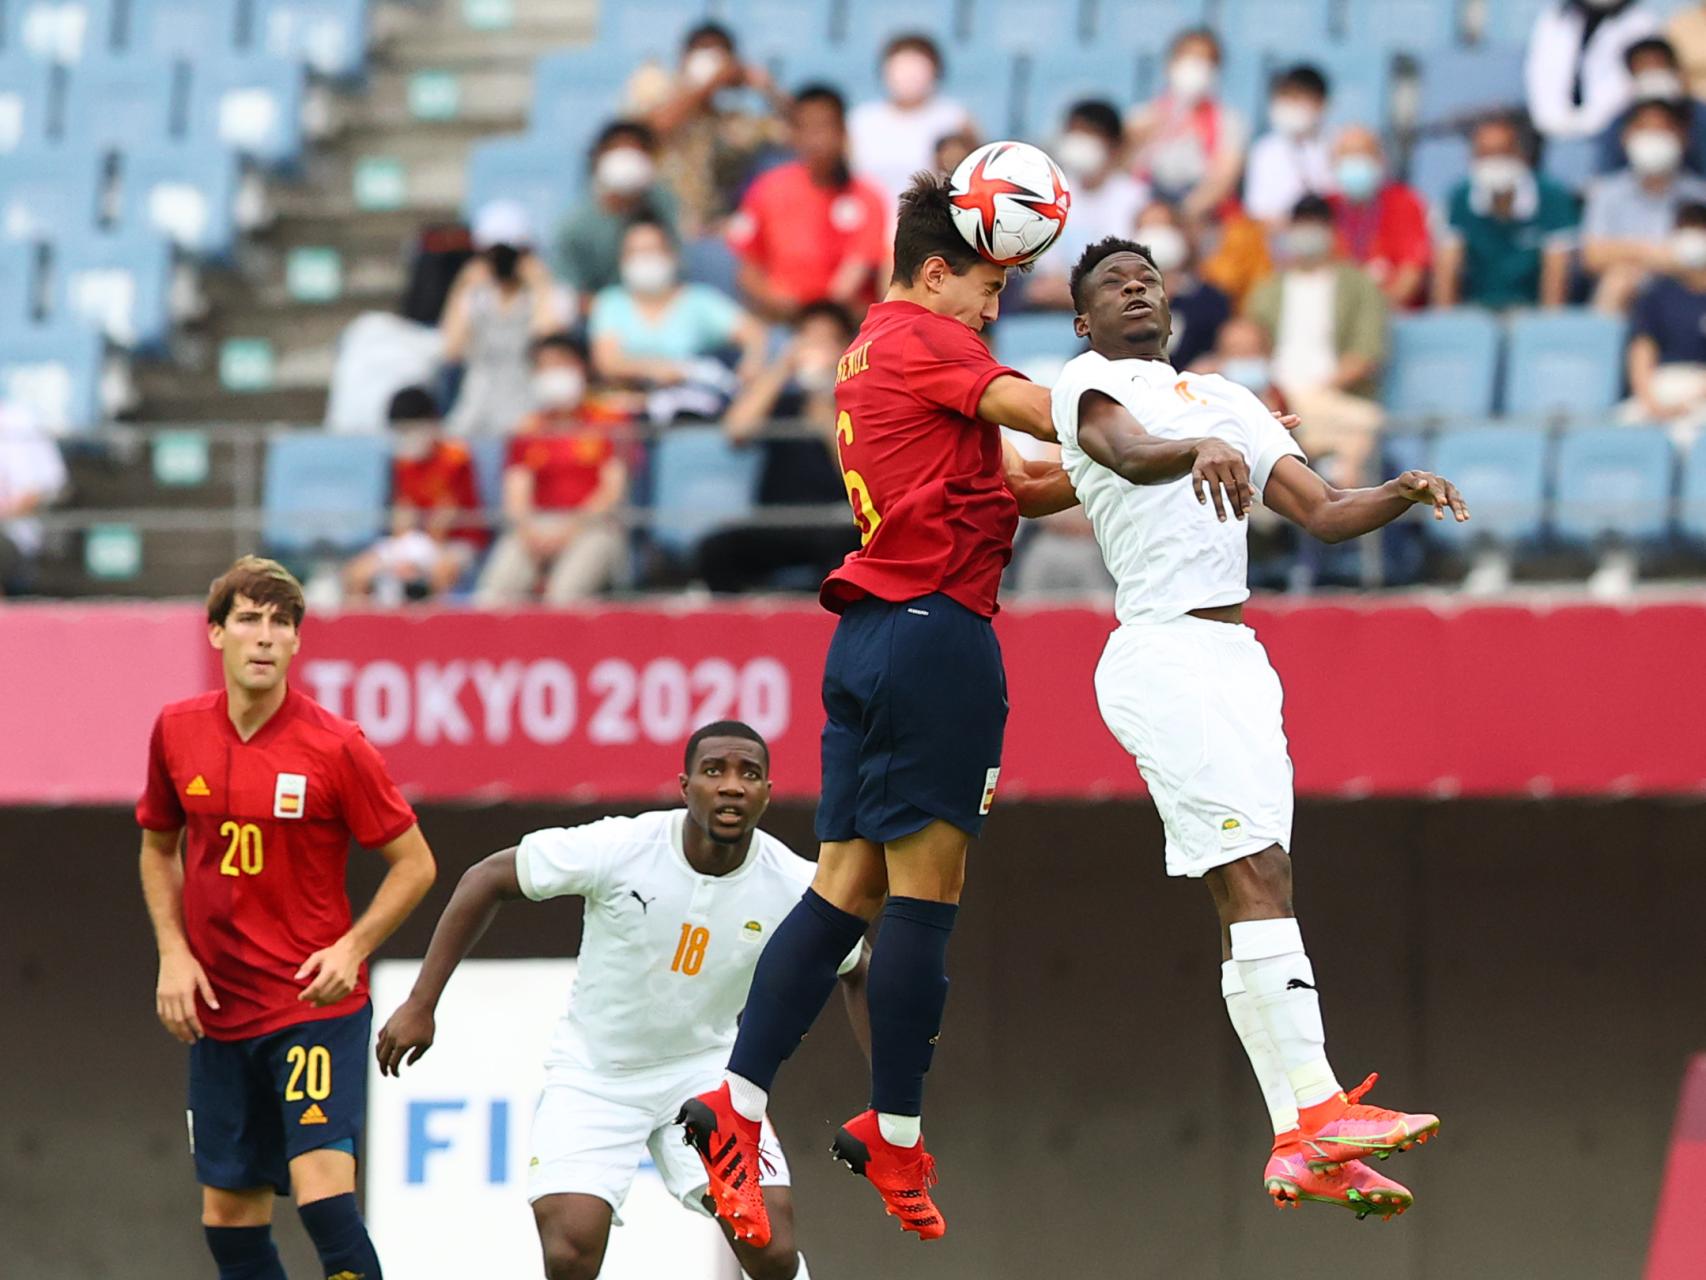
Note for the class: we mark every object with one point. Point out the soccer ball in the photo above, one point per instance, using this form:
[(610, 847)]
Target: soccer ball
[(1010, 202)]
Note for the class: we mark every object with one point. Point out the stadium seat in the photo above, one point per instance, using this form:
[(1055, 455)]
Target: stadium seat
[(252, 106), (48, 193), (1614, 482), (1442, 364), (851, 70), (1502, 471), (1145, 25), (768, 29), (63, 31), (869, 24), (191, 29), (1571, 162), (120, 284), (699, 482), (1691, 507), (1566, 363), (575, 93), (1055, 78), (638, 30), (116, 103), (1512, 21), (1437, 165), (539, 173), (1459, 85), (19, 275), (709, 260), (1033, 336), (329, 35), (323, 494), (1402, 26), (1025, 26), (1299, 27), (55, 372), (26, 100), (983, 81), (188, 193)]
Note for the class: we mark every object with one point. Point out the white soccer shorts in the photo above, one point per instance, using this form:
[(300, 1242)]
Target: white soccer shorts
[(591, 1130), (1198, 706)]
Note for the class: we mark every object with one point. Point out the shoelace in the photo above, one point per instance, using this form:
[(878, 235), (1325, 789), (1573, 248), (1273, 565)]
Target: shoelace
[(1356, 1108)]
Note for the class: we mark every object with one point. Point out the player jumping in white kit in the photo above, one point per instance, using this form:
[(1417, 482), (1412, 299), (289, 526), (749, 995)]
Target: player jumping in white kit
[(679, 903)]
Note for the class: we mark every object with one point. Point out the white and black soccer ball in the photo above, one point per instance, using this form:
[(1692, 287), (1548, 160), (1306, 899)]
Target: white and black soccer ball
[(1010, 201)]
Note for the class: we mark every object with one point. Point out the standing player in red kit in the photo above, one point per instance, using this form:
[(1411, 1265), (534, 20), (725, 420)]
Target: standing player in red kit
[(262, 973), (916, 702)]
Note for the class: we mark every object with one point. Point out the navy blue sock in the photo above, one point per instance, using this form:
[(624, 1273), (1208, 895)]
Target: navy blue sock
[(244, 1253), (791, 984), (907, 990), (340, 1236)]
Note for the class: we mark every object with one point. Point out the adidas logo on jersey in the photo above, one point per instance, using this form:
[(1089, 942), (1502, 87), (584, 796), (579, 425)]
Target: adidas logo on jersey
[(313, 1115), (198, 787)]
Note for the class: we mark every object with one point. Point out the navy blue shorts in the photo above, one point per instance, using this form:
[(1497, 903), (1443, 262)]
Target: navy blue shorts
[(257, 1104), (916, 704)]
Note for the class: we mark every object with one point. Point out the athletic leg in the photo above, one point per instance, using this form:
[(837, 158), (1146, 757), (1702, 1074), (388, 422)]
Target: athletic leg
[(780, 1259), (574, 1231), (323, 1182), (238, 1229), (239, 1157)]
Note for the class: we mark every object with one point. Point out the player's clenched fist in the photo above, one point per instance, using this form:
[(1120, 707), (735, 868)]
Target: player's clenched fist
[(1220, 469), (406, 1035), (1425, 486), (181, 980)]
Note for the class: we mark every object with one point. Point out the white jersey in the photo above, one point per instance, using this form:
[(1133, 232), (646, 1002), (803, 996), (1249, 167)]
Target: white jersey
[(667, 953), (1168, 553)]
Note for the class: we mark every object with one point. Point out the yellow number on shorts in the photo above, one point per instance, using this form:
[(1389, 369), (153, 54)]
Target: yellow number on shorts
[(243, 856), (316, 1064), (865, 513), (690, 951)]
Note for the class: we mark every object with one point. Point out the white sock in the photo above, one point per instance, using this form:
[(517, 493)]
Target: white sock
[(747, 1098), (1278, 977), (900, 1131), (1259, 1046)]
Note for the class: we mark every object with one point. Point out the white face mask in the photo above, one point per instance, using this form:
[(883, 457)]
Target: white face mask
[(704, 65), (1657, 83), (1191, 79), (1293, 118), (814, 376), (1358, 175), (1082, 155), (1688, 247), (1653, 151), (1497, 175), (648, 272), (1167, 245), (622, 171), (559, 388), (1307, 240), (909, 76)]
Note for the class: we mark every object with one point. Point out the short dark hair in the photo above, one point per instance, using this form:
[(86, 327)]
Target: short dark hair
[(818, 91), (1650, 44), (562, 340), (650, 219), (924, 229), (914, 40), (723, 729), (709, 31), (1098, 115), (1677, 112), (1092, 258), (1302, 78), (624, 130), (412, 404), (1516, 122), (1312, 208), (1692, 214), (1197, 33), (824, 309), (261, 580)]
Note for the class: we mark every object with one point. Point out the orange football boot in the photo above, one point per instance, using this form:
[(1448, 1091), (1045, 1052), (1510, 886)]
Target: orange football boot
[(727, 1143), (1343, 1129), (1352, 1185), (903, 1175)]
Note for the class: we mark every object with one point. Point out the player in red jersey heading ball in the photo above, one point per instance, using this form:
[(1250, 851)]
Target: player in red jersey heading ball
[(916, 704), (262, 972)]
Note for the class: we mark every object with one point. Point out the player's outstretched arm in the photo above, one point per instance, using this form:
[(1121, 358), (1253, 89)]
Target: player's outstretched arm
[(1019, 403), (182, 978), (333, 972), (1041, 488), (853, 992), (484, 887), (1333, 515), (1109, 434)]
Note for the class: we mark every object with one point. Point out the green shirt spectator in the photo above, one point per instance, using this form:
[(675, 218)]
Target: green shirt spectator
[(1502, 252), (588, 247)]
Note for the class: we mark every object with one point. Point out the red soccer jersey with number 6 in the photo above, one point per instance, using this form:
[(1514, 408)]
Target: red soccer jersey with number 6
[(267, 827), (923, 473)]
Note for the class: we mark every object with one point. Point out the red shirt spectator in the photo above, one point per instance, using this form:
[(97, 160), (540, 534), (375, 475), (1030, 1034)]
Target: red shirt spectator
[(1381, 225), (566, 452), (441, 479)]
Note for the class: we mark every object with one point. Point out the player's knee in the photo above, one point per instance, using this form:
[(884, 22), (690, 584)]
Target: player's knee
[(569, 1259)]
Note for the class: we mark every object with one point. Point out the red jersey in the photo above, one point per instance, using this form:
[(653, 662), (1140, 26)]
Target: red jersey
[(443, 478), (566, 459), (923, 472), (267, 825), (798, 233)]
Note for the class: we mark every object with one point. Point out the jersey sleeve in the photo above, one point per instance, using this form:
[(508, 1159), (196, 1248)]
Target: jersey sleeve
[(372, 807), (1268, 441), (559, 861), (159, 809), (944, 364)]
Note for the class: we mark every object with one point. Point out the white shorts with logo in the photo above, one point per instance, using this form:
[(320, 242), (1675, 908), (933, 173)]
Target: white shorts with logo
[(591, 1130), (1198, 706)]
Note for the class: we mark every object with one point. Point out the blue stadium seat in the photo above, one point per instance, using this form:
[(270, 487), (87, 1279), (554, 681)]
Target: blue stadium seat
[(700, 481), (63, 31), (120, 284), (542, 174), (26, 101), (575, 93), (636, 30), (1442, 364), (329, 35), (1145, 25), (19, 281), (117, 103), (850, 69), (1501, 471), (252, 106), (1056, 78), (187, 193), (324, 494), (1458, 85), (1299, 27), (982, 80), (1031, 336), (1437, 165), (709, 260), (1572, 162), (1512, 21), (767, 29), (1567, 363), (55, 372), (1614, 482), (869, 24), (1691, 508), (1402, 26), (191, 29), (48, 193), (1027, 25)]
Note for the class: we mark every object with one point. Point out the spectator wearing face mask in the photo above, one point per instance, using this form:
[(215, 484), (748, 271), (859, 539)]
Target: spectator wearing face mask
[(1667, 350), (434, 536), (1510, 231), (624, 190), (895, 136), (809, 230), (563, 480), (1198, 308), (649, 330), (709, 139), (1291, 160), (1654, 73), (1575, 75), (1326, 319), (1187, 144), (1380, 222), (1629, 216), (1243, 354), (1105, 198), (503, 298)]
